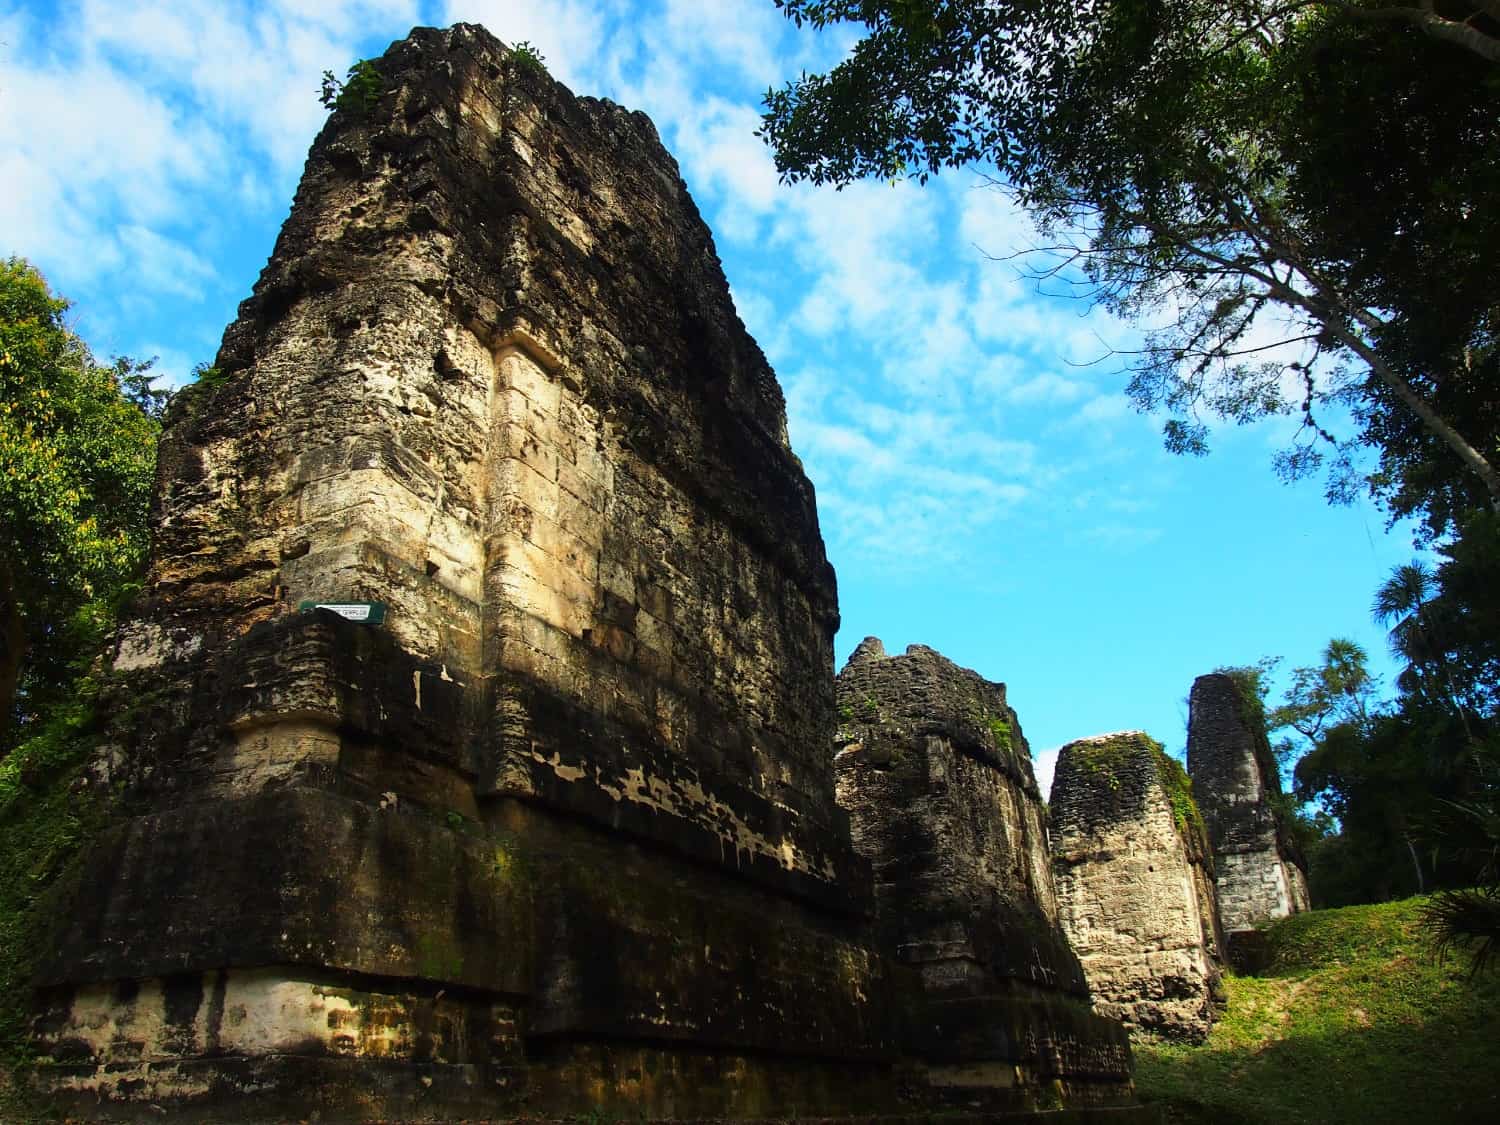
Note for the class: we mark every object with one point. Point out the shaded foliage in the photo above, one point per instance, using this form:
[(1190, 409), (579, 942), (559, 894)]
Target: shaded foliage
[(77, 464), (1409, 779)]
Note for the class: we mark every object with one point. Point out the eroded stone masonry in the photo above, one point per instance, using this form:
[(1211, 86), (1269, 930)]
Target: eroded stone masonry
[(1261, 874), (1135, 884), (936, 777), (553, 830)]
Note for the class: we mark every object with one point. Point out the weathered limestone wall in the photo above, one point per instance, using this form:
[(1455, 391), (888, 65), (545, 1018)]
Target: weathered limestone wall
[(1135, 884), (559, 835), (1234, 774), (492, 377), (574, 795), (936, 776)]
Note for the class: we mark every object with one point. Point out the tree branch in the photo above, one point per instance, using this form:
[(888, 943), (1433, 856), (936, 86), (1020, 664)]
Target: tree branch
[(1461, 33)]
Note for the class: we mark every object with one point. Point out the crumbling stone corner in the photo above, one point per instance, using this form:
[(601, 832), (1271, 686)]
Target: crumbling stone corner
[(1261, 874), (1135, 884)]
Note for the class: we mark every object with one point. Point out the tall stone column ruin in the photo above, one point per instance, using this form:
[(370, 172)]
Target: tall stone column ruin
[(1261, 876), (542, 820), (1135, 884), (936, 777)]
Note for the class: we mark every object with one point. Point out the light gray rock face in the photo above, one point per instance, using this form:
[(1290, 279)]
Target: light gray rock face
[(1135, 884), (1234, 774), (936, 775)]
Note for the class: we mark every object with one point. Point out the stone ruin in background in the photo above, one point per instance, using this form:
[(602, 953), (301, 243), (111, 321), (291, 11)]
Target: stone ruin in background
[(936, 776), (1135, 884), (543, 819), (1261, 874)]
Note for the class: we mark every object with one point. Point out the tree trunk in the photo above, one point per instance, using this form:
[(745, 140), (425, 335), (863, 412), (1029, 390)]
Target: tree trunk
[(1471, 457), (1424, 17), (12, 651), (1417, 865), (1326, 308)]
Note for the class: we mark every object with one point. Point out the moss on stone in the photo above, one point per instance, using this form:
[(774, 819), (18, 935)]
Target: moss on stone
[(1000, 730), (437, 956), (1179, 790), (1103, 758)]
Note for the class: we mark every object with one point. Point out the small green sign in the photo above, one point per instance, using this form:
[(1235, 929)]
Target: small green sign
[(366, 613)]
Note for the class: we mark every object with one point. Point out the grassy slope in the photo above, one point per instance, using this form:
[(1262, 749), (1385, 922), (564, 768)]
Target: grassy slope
[(1354, 1021)]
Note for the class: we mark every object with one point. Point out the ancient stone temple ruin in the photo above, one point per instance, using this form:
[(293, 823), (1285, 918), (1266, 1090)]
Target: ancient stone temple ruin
[(936, 777), (471, 750), (1261, 875), (1135, 884)]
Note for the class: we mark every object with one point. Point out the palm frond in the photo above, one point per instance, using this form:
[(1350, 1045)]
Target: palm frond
[(1467, 920)]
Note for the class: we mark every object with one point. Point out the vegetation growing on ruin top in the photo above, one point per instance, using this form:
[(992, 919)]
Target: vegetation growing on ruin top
[(1250, 693), (1179, 789), (358, 91), (1103, 758), (528, 57), (1000, 730)]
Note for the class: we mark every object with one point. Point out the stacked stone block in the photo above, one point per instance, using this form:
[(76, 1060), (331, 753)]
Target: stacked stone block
[(1261, 876), (557, 835), (560, 832), (936, 775), (1135, 884)]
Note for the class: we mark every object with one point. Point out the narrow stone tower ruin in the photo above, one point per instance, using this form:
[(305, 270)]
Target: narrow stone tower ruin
[(1135, 884), (471, 742), (936, 777), (1260, 874)]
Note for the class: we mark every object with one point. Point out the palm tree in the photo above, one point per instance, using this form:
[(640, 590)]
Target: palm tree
[(1401, 603), (1404, 602)]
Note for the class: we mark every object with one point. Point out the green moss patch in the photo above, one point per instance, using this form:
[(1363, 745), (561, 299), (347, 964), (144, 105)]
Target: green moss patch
[(1179, 788), (1000, 731), (1103, 758)]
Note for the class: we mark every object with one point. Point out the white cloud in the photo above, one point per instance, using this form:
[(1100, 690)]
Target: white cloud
[(717, 146), (137, 138), (924, 370), (993, 224), (1044, 765), (734, 33), (165, 264), (1104, 409), (572, 35)]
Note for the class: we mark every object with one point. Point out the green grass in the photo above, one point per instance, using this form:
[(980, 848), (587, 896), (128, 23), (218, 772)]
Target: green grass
[(1355, 1021)]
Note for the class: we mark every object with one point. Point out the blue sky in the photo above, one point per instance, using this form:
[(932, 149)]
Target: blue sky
[(983, 488)]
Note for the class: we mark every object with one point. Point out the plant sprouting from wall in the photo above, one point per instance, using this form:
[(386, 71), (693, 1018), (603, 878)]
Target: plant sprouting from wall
[(1000, 730), (528, 57), (358, 92)]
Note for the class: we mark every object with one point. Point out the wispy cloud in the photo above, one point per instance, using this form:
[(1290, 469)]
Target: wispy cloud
[(922, 376)]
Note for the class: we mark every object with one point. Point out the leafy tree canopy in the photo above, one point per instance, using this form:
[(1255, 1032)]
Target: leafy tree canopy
[(1414, 781), (1197, 157), (77, 459)]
